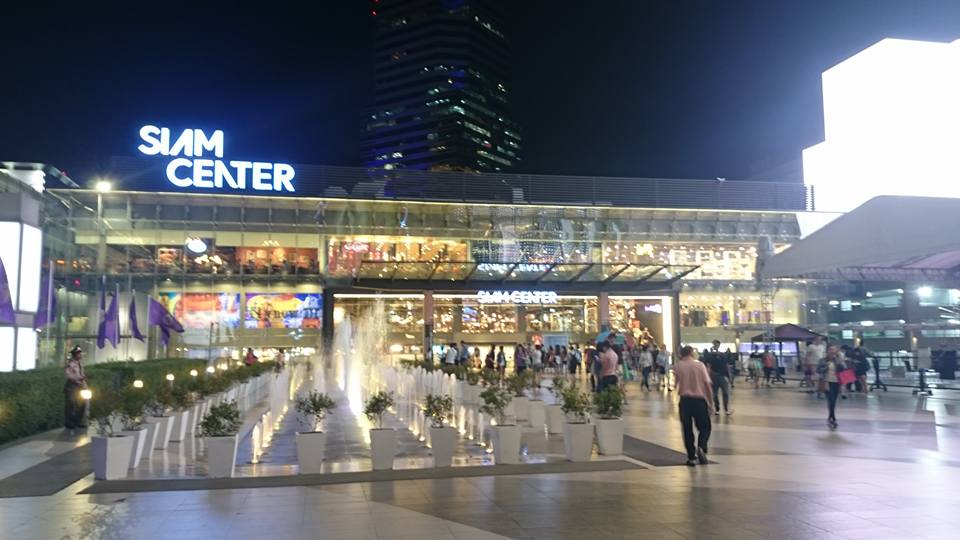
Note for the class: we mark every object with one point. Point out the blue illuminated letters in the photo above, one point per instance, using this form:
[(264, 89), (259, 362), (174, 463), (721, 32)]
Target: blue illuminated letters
[(190, 168)]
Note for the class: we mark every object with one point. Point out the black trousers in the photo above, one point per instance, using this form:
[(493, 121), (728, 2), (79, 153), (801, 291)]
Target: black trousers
[(609, 380), (695, 411), (73, 406), (646, 378), (833, 391)]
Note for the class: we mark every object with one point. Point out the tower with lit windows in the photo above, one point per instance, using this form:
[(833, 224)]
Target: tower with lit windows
[(442, 92)]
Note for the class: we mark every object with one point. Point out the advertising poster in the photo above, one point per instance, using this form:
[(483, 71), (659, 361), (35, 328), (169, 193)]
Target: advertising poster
[(283, 310), (200, 310)]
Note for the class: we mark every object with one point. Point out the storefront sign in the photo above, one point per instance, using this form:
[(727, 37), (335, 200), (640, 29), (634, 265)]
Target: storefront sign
[(205, 173), (517, 297)]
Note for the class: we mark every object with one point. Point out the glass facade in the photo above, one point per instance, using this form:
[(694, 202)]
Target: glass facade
[(240, 270)]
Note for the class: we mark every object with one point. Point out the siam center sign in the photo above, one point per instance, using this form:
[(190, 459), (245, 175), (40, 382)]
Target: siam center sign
[(517, 297), (197, 162)]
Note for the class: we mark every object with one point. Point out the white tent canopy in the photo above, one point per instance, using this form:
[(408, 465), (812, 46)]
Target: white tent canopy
[(886, 239)]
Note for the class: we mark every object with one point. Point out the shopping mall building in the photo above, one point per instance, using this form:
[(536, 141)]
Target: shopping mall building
[(487, 259)]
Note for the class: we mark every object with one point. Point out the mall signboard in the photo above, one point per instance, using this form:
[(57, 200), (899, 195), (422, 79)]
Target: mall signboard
[(517, 297), (193, 166)]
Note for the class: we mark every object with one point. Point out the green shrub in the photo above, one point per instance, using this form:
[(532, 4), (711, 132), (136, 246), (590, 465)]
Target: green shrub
[(519, 382), (575, 404), (609, 403), (33, 401), (223, 420), (495, 402), (315, 405), (437, 407), (375, 407)]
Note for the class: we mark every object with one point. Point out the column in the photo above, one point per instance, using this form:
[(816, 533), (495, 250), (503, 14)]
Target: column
[(603, 311), (428, 326)]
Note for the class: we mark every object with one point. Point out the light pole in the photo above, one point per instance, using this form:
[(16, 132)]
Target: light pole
[(103, 186)]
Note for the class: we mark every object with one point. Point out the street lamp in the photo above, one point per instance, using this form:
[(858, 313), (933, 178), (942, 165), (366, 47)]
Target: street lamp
[(193, 373), (104, 186), (86, 394), (138, 383), (170, 377)]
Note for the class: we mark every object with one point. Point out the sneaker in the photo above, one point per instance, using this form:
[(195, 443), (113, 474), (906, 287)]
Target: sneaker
[(716, 413), (729, 412), (702, 456), (691, 463)]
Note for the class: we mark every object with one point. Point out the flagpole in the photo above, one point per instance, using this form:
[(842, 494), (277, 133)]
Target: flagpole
[(47, 328)]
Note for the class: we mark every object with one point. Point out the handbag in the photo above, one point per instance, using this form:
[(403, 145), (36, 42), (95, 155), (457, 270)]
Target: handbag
[(846, 377)]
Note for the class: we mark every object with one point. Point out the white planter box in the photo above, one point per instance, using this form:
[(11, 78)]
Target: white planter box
[(196, 413), (383, 446), (442, 442), (221, 456), (311, 446), (609, 436), (152, 425), (578, 441), (181, 421), (111, 456), (506, 444), (537, 414), (139, 441), (521, 407), (474, 391), (164, 428), (555, 419)]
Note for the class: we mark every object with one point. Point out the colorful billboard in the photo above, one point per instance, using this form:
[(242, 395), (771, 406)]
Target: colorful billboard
[(200, 310), (283, 310)]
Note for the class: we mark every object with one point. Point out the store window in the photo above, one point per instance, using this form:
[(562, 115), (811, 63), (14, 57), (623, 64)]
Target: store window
[(717, 262), (344, 256), (568, 316), (641, 318), (718, 309), (488, 319)]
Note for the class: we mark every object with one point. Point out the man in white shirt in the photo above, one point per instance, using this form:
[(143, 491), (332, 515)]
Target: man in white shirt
[(452, 354), (536, 360)]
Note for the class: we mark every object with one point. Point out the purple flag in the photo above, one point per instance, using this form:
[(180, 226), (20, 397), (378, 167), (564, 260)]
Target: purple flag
[(47, 310), (6, 301), (102, 315), (134, 327), (161, 317), (111, 323)]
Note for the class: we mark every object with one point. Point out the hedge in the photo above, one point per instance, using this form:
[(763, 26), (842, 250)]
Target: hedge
[(33, 401)]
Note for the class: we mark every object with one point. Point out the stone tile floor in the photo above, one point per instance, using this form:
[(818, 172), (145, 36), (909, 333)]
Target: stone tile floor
[(890, 471)]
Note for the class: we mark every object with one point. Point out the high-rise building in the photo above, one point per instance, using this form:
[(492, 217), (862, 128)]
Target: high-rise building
[(442, 91)]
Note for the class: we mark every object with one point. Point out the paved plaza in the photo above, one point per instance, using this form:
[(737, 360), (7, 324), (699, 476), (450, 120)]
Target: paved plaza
[(890, 471)]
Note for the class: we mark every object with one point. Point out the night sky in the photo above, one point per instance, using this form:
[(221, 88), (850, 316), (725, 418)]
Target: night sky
[(692, 89)]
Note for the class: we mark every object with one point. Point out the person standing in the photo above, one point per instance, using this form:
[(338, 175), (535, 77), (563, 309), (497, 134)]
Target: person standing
[(811, 359), (536, 359), (520, 358), (665, 364), (609, 362), (696, 401), (450, 358), (769, 364), (75, 380), (490, 361), (501, 362), (464, 357), (646, 365), (719, 379), (828, 368)]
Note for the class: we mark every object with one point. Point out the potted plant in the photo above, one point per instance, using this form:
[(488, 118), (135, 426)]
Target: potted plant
[(313, 408), (555, 411), (438, 408), (577, 433), (383, 441), (183, 400), (505, 437), (133, 402), (219, 429), (518, 384), (609, 406), (159, 408), (111, 451)]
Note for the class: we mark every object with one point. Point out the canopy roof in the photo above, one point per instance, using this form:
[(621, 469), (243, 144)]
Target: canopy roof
[(886, 239), (470, 274), (789, 332)]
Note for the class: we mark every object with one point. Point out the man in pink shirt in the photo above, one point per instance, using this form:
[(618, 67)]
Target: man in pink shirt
[(608, 367), (696, 403)]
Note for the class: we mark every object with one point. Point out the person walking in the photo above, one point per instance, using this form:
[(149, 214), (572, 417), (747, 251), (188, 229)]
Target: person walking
[(769, 364), (646, 366), (828, 368), (464, 357), (696, 402), (665, 366), (811, 359), (490, 361), (719, 379), (75, 380)]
